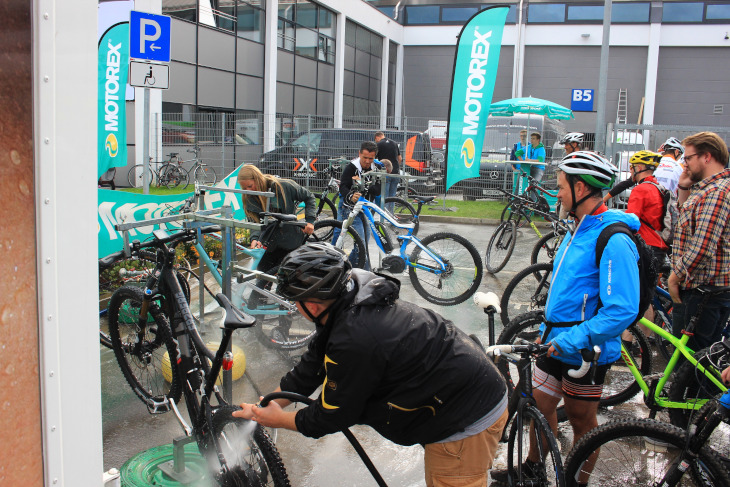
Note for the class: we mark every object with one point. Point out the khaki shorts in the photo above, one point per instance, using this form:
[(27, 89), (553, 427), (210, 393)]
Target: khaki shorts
[(464, 463)]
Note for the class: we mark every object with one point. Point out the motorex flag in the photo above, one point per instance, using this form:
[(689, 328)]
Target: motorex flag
[(112, 120), (475, 70)]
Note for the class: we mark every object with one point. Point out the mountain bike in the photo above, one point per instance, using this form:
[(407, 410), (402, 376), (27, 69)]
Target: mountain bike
[(444, 268), (526, 291), (649, 452), (169, 173), (199, 173), (223, 440), (518, 211)]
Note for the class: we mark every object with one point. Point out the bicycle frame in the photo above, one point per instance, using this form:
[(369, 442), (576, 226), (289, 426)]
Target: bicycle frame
[(654, 396), (364, 207), (522, 203)]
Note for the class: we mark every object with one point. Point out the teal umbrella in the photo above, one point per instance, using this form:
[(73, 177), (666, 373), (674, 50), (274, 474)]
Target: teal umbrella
[(531, 106)]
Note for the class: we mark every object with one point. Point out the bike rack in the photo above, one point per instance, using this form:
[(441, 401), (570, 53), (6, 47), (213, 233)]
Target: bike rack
[(176, 468)]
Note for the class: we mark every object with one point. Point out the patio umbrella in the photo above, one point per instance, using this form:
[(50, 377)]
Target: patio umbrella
[(531, 106)]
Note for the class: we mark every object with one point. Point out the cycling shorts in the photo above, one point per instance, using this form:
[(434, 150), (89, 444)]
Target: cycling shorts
[(551, 377)]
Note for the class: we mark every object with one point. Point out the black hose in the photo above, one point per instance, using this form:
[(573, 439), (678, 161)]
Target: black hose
[(294, 397)]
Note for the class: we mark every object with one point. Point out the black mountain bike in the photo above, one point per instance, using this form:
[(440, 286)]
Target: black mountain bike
[(238, 452)]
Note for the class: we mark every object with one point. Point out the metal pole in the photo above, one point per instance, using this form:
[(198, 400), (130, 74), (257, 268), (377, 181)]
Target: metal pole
[(146, 143), (223, 142), (603, 80)]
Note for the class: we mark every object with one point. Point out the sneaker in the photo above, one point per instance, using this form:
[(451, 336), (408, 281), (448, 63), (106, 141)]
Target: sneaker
[(529, 469)]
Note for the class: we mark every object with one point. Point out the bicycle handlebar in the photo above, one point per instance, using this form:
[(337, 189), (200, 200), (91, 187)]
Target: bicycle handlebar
[(589, 357)]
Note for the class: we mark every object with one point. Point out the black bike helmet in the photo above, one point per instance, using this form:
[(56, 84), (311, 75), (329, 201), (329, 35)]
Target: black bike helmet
[(315, 270)]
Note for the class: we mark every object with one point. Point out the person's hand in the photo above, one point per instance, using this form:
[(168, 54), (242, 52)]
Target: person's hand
[(246, 411), (355, 197), (255, 244), (551, 351), (269, 416), (519, 153), (673, 287), (685, 179), (309, 229), (726, 376)]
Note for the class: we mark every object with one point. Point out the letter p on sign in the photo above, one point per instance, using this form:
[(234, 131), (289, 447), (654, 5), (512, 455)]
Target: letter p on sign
[(149, 36)]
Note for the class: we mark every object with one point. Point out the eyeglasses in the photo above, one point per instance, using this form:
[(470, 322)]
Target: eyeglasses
[(688, 157)]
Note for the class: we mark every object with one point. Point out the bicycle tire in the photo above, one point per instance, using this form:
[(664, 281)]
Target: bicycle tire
[(508, 214), (326, 209), (526, 291), (354, 247), (403, 212), (248, 451), (720, 438), (143, 369), (462, 276), (551, 469), (205, 175), (688, 383), (617, 387), (503, 239), (638, 452), (174, 177), (545, 248), (135, 176)]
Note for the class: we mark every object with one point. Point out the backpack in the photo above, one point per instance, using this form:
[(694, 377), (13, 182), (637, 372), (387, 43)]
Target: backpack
[(648, 273), (670, 214)]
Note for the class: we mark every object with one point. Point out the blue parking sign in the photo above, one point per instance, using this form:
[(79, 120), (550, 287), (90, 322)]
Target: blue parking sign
[(582, 100), (149, 36)]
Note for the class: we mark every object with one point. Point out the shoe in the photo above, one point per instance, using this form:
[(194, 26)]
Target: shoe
[(529, 469)]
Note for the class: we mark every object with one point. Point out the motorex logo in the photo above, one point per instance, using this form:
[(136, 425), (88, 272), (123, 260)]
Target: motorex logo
[(111, 145), (467, 152), (476, 82)]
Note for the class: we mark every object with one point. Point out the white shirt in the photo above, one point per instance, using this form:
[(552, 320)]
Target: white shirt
[(668, 172)]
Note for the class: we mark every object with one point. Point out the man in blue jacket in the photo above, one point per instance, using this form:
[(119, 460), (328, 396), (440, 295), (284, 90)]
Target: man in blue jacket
[(587, 305)]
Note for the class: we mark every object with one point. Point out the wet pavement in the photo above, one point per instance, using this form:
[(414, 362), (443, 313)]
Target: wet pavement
[(329, 461)]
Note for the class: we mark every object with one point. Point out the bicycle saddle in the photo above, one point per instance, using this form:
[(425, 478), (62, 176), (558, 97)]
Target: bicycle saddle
[(235, 318), (424, 199)]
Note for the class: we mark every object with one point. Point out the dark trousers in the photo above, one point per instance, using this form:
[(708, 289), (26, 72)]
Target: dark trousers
[(711, 322)]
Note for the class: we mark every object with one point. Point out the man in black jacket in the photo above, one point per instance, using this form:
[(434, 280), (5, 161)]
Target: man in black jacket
[(403, 370), (388, 149)]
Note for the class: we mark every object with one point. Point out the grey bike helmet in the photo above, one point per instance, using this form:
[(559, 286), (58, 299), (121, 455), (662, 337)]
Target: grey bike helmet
[(315, 270), (572, 137), (672, 143), (591, 167)]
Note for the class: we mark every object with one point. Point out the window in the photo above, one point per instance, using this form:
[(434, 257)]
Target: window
[(286, 35), (286, 9), (717, 12), (307, 15), (327, 22), (585, 12), (546, 13), (630, 12), (457, 14), (512, 15), (180, 10), (250, 22), (682, 12), (426, 14), (306, 42), (387, 11)]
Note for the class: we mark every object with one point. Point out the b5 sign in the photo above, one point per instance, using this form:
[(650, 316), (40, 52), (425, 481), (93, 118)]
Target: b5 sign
[(582, 100)]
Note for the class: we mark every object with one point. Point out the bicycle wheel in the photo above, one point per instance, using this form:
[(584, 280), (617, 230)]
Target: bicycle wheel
[(247, 449), (619, 384), (638, 452), (720, 438), (527, 291), (403, 212), (513, 211), (500, 246), (550, 469), (174, 176), (689, 384), (545, 248), (327, 230), (140, 352), (326, 209), (205, 175), (135, 176), (458, 281)]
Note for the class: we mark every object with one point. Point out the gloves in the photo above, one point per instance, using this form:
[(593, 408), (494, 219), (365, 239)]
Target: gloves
[(519, 153)]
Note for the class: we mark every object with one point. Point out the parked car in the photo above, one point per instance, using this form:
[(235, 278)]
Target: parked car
[(306, 157), (495, 168)]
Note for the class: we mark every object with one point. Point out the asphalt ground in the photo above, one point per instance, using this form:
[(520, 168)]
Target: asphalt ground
[(330, 461)]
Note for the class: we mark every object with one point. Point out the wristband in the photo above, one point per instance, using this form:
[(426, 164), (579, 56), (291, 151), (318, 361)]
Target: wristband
[(683, 188)]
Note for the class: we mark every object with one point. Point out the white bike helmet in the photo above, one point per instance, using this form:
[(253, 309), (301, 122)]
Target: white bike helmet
[(572, 137), (591, 167), (672, 143)]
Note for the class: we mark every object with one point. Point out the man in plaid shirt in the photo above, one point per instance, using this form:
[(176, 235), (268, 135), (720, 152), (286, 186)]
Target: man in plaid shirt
[(701, 249)]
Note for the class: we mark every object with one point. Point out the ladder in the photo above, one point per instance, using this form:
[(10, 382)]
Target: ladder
[(621, 111)]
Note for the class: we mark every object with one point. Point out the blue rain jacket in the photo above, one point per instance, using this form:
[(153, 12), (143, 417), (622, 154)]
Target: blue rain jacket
[(577, 285)]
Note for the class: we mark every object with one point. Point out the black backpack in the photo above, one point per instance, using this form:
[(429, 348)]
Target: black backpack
[(648, 273)]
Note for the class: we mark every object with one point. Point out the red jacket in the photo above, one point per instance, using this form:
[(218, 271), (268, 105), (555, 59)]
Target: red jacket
[(646, 202)]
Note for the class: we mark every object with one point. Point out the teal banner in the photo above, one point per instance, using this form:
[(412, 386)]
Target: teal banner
[(112, 119), (475, 71), (122, 207)]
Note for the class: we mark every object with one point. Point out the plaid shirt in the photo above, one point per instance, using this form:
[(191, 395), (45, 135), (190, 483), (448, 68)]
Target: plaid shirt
[(702, 238)]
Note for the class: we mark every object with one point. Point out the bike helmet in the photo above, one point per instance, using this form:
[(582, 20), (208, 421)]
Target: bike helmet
[(648, 158), (572, 137), (315, 270), (672, 143), (591, 167)]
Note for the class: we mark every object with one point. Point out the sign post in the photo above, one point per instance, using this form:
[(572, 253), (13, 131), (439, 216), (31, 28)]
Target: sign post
[(149, 40)]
